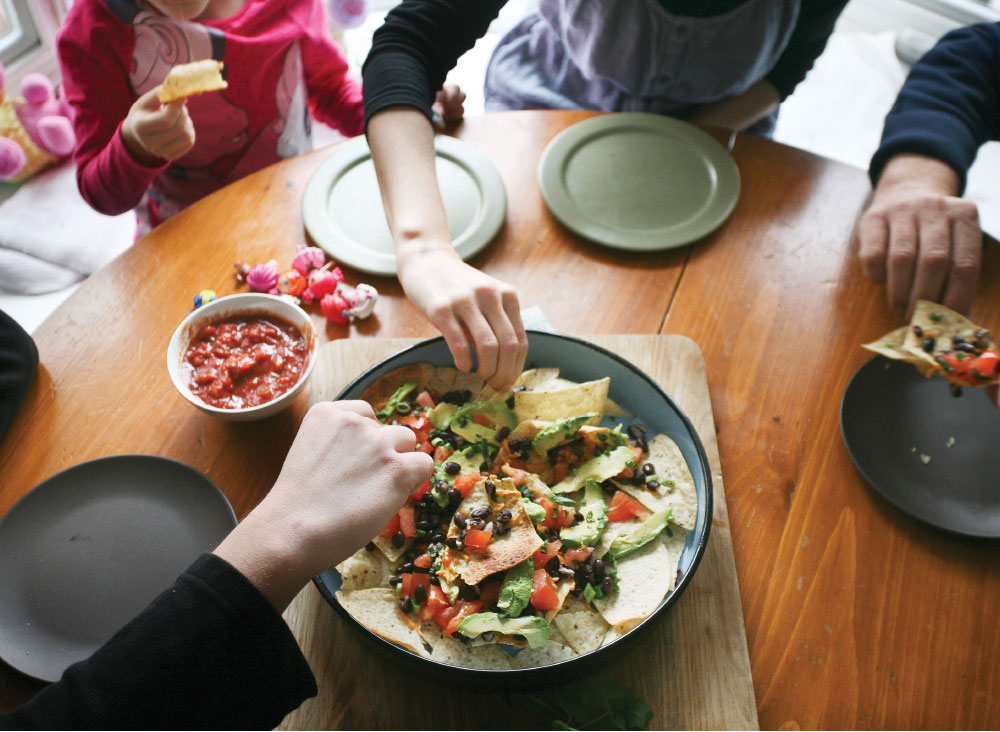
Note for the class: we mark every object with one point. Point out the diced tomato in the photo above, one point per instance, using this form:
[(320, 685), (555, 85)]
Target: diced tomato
[(424, 561), (556, 517), (489, 593), (425, 447), (543, 591), (516, 475), (416, 422), (958, 361), (392, 527), (465, 609), (481, 419), (443, 616), (560, 470), (419, 492), (637, 459), (465, 483), (986, 364), (436, 602), (407, 522), (441, 453), (551, 550), (580, 554), (625, 508), (477, 541), (410, 582), (424, 399)]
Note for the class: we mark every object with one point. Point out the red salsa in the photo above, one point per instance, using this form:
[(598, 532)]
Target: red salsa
[(245, 360)]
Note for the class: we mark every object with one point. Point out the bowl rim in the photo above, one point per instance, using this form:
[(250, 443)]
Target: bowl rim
[(260, 305), (517, 676)]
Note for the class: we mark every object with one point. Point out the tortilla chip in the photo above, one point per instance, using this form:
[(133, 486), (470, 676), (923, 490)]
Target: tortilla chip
[(611, 532), (438, 379), (550, 406), (584, 629), (644, 578), (666, 457), (197, 77), (384, 544), (376, 609), (504, 551), (563, 587), (548, 654), (364, 569), (448, 650), (529, 380), (612, 635)]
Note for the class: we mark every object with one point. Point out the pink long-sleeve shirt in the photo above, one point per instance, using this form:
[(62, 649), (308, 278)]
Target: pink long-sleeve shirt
[(280, 62)]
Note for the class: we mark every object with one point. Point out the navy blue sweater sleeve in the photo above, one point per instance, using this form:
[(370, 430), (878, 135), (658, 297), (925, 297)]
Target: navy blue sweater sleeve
[(209, 653), (416, 47), (18, 364), (809, 37), (950, 103)]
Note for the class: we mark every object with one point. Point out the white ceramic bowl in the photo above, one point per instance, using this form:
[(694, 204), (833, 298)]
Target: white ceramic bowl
[(247, 303)]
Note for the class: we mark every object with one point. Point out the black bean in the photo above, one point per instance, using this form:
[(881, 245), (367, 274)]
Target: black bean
[(454, 542), (577, 518), (918, 331), (502, 433), (967, 347), (503, 515), (454, 496), (567, 571), (501, 529), (648, 469), (638, 479), (636, 431), (552, 566), (460, 520), (653, 485), (420, 593), (398, 539), (510, 402), (405, 567), (928, 344), (410, 555), (485, 466), (370, 546), (436, 538), (452, 468), (520, 444), (425, 524), (598, 567), (435, 581), (460, 443), (608, 585), (491, 489), (393, 581), (404, 603), (476, 524), (481, 513), (457, 397), (584, 575), (553, 534)]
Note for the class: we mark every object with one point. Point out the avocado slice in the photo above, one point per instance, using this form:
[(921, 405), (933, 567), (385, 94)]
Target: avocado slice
[(532, 628), (535, 512), (599, 468), (439, 414), (560, 431), (460, 421), (397, 396), (595, 516), (640, 535), (516, 590)]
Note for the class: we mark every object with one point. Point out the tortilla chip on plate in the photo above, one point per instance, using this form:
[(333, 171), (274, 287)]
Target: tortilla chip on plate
[(549, 406), (583, 628), (548, 654), (376, 609), (438, 379), (392, 553), (448, 650), (682, 498), (364, 569), (529, 380), (644, 578), (197, 77)]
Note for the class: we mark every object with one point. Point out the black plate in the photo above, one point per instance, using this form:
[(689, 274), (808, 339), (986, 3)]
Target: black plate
[(85, 550), (933, 455), (577, 360)]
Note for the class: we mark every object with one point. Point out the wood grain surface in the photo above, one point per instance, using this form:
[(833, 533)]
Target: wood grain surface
[(691, 666), (856, 615)]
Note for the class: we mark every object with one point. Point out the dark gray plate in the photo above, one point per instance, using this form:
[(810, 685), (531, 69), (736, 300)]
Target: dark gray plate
[(85, 550), (933, 455)]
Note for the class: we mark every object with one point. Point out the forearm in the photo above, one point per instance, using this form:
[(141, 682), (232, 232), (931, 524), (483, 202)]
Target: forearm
[(740, 111), (113, 181)]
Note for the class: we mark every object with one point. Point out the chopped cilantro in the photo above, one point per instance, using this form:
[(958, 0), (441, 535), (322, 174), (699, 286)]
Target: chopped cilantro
[(936, 317)]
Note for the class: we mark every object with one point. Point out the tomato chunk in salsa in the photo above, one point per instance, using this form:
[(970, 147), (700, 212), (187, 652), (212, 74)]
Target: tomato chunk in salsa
[(245, 360)]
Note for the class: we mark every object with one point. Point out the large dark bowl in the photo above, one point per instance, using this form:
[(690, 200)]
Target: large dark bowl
[(637, 394)]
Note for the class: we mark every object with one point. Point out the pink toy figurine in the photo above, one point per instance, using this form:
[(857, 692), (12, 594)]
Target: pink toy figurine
[(348, 304), (322, 282), (348, 14), (308, 258), (35, 131), (263, 277), (291, 282), (335, 308)]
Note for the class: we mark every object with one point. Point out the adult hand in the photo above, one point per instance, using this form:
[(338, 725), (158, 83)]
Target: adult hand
[(154, 132), (449, 103), (919, 237), (344, 477), (470, 308)]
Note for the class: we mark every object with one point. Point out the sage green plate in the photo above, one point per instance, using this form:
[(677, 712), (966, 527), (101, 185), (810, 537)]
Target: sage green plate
[(342, 206), (637, 181)]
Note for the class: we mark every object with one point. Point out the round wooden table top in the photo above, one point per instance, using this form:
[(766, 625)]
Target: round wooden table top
[(856, 615)]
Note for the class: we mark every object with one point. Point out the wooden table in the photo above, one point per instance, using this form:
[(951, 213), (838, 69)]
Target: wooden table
[(856, 615)]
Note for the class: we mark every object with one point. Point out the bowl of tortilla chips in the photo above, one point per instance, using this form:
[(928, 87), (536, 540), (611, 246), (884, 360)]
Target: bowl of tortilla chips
[(563, 516)]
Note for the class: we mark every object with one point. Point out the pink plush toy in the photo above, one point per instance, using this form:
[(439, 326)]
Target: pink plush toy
[(35, 132)]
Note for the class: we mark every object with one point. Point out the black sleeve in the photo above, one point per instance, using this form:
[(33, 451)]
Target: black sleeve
[(950, 103), (417, 46), (812, 29), (209, 653), (18, 364)]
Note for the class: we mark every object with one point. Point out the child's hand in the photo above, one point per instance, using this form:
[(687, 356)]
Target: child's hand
[(343, 479), (154, 132), (448, 102)]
